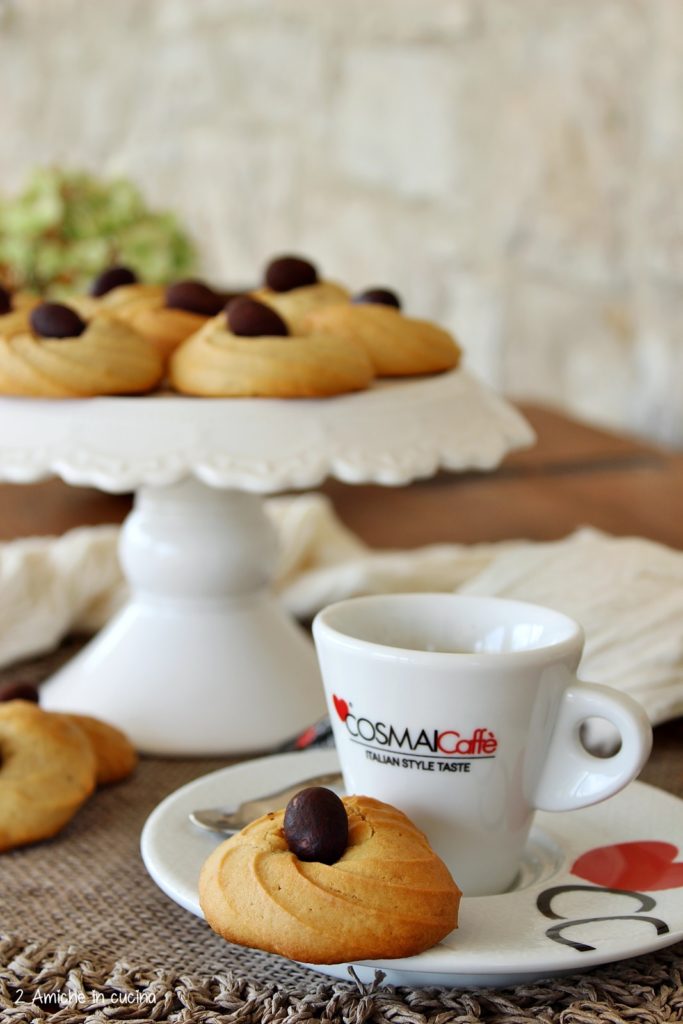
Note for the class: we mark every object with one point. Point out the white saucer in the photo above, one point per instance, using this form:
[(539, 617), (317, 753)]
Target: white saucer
[(553, 922)]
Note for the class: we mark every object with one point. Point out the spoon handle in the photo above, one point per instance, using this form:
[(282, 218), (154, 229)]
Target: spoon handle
[(213, 819)]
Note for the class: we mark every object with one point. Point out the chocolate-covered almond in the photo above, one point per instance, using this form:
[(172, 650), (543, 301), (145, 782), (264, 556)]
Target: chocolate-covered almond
[(19, 691), (316, 825), (251, 319), (194, 297), (52, 320), (112, 277), (378, 296), (288, 272), (5, 301)]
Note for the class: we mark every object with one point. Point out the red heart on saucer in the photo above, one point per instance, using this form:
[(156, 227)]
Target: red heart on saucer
[(341, 707), (639, 866)]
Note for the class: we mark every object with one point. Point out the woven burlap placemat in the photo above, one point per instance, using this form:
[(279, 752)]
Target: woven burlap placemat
[(89, 934), (86, 935)]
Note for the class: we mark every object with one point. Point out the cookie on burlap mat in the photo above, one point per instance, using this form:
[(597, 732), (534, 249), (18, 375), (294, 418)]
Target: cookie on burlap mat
[(47, 770), (115, 755)]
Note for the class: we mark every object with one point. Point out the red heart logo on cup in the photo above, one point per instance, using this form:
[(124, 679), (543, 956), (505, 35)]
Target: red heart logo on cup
[(642, 866), (341, 707)]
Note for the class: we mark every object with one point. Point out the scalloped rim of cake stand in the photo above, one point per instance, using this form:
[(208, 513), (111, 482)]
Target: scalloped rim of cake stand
[(394, 432)]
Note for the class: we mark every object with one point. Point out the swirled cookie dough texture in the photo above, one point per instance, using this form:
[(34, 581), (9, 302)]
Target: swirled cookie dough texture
[(217, 363), (108, 358), (47, 770), (295, 305), (292, 287), (389, 895), (162, 327), (15, 310), (113, 289), (397, 345), (118, 300), (166, 320)]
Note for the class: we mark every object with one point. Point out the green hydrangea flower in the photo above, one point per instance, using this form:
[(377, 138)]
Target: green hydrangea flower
[(67, 226)]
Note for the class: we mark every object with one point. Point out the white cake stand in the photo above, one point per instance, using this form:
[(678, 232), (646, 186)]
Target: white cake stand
[(203, 660)]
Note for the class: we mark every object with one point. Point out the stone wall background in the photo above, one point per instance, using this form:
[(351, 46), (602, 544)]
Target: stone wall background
[(513, 167)]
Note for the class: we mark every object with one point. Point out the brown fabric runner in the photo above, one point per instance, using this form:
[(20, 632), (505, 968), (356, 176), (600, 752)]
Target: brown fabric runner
[(86, 935)]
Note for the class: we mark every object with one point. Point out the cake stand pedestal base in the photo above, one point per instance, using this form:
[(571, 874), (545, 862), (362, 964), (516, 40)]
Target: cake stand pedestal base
[(202, 660)]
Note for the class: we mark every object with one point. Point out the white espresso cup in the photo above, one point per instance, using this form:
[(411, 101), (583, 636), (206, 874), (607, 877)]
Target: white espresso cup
[(465, 712)]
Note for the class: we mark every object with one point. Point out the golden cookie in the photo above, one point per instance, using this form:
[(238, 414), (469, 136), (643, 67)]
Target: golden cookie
[(162, 327), (215, 362), (295, 305), (168, 319), (47, 770), (105, 358), (24, 300), (115, 756), (397, 345), (389, 895), (125, 293), (113, 288), (15, 310), (14, 322), (117, 299), (292, 287)]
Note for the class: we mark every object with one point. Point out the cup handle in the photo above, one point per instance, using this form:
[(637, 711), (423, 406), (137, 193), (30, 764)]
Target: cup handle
[(571, 776)]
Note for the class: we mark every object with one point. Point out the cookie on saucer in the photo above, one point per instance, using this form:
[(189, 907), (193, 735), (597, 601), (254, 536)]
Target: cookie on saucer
[(360, 883)]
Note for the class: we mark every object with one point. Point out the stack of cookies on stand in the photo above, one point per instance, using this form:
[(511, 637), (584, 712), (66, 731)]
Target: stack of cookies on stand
[(295, 336)]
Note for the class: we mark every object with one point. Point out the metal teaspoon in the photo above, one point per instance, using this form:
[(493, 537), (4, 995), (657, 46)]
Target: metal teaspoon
[(213, 819)]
